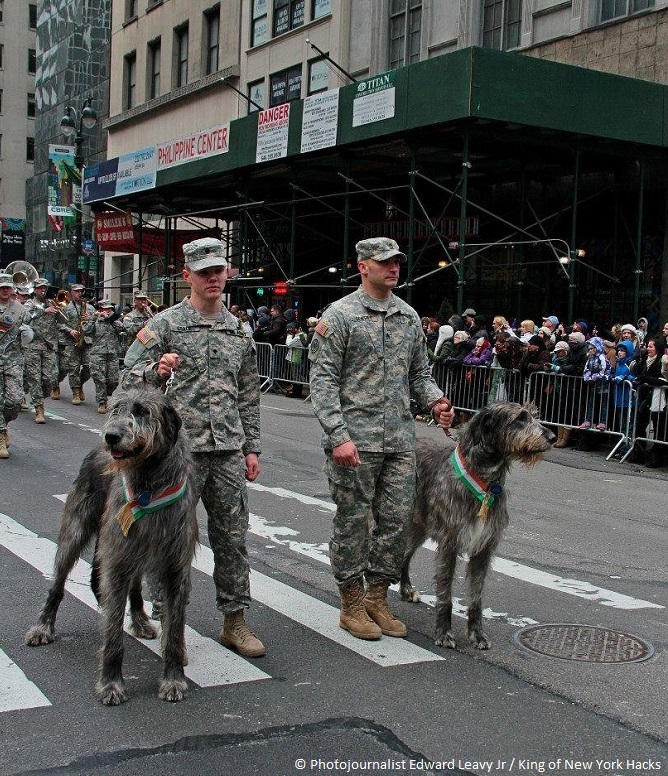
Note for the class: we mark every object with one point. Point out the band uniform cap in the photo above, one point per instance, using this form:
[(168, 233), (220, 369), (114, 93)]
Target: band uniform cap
[(204, 253), (41, 282), (77, 287), (105, 304), (469, 311), (139, 294), (6, 281), (552, 319), (23, 290), (378, 249)]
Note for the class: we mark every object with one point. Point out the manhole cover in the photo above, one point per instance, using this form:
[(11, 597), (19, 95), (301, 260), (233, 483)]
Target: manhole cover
[(584, 643)]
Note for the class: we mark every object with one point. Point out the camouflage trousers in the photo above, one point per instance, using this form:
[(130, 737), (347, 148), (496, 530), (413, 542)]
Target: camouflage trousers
[(75, 363), (11, 391), (374, 509), (105, 373), (221, 484), (41, 372)]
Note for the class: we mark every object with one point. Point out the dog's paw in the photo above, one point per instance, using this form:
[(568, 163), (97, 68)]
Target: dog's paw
[(40, 634), (111, 694), (143, 629), (445, 641), (172, 690), (479, 640), (410, 593)]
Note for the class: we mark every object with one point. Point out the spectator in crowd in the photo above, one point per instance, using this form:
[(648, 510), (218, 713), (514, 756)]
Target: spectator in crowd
[(527, 330), (641, 327), (499, 324), (546, 335), (461, 347), (551, 323), (629, 333), (444, 343), (535, 362), (622, 395), (469, 319), (559, 396), (476, 378), (457, 322), (296, 341), (424, 322), (479, 328), (507, 382), (652, 386), (432, 338), (596, 375), (582, 326)]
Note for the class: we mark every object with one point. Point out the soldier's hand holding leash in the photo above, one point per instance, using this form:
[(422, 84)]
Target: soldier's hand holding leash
[(444, 414), (168, 363)]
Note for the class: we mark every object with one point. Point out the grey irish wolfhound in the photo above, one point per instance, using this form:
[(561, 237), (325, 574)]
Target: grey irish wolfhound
[(134, 494), (462, 504)]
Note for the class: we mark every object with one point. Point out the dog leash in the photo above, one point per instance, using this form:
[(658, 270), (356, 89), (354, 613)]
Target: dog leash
[(170, 381)]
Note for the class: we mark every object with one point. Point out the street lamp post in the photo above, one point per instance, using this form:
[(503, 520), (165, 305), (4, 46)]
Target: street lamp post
[(74, 124)]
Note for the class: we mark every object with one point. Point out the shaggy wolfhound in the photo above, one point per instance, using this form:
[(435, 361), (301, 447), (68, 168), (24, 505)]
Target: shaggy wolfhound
[(461, 504), (135, 495)]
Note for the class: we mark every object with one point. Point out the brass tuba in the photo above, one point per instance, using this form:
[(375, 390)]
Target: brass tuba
[(23, 274), (63, 298)]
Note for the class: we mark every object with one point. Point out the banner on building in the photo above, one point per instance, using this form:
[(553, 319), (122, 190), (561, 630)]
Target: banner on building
[(272, 133), (63, 181), (374, 99), (13, 239), (199, 145), (124, 174)]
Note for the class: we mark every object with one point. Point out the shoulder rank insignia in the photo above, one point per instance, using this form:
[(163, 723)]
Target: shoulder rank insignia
[(322, 329), (145, 335)]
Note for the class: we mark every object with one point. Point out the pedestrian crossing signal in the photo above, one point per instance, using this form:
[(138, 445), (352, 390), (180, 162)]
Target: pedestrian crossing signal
[(260, 291)]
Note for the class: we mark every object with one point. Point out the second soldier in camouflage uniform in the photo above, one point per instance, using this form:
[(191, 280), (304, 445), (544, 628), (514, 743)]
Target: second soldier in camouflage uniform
[(216, 392), (368, 357), (76, 338), (41, 355), (104, 367)]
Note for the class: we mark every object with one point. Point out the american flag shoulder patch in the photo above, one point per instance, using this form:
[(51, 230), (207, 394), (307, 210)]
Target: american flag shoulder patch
[(322, 328), (145, 335)]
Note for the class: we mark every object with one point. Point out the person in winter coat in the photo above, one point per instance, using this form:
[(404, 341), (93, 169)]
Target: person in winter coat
[(476, 378), (559, 395), (507, 382), (622, 394), (444, 343), (533, 367), (652, 399), (596, 375)]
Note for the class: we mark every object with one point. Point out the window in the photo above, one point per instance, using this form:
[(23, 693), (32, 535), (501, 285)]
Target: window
[(32, 16), (256, 93), (30, 149), (0, 146), (212, 40), (501, 24), (288, 14), (31, 106), (260, 23), (153, 61), (318, 76), (181, 55), (131, 9), (405, 32), (285, 86), (320, 8), (2, 51), (2, 10), (32, 61), (614, 9), (130, 81), (0, 100)]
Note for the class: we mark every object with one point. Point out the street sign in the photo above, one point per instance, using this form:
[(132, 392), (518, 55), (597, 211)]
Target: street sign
[(88, 247)]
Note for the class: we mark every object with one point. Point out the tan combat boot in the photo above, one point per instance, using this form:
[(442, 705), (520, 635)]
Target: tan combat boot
[(55, 393), (102, 408), (236, 634), (354, 617), (81, 395), (39, 414), (375, 603), (76, 396), (4, 452)]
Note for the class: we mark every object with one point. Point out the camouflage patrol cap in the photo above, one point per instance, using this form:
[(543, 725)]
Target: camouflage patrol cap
[(139, 294), (204, 253), (6, 281), (378, 249), (105, 304), (41, 282), (77, 287)]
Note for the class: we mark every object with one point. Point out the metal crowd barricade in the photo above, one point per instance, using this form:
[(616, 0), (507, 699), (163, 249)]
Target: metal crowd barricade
[(264, 359), (655, 411), (286, 367)]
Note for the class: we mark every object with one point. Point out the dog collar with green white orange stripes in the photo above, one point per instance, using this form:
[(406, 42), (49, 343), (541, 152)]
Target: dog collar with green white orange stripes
[(482, 491), (143, 504)]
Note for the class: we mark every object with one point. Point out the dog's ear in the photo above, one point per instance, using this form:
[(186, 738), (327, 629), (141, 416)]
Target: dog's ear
[(481, 427), (171, 422)]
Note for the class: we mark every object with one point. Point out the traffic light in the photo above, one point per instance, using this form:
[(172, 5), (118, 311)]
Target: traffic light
[(260, 291), (281, 288)]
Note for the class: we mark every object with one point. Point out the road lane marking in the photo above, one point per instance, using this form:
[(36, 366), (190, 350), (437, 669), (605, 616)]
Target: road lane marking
[(322, 618), (210, 664), (508, 568), (16, 690)]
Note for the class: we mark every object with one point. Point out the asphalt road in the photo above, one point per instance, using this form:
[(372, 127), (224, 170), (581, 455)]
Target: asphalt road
[(586, 546)]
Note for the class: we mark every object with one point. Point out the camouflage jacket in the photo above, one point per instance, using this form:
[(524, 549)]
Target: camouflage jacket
[(73, 314), (45, 325), (133, 322), (12, 316), (105, 334), (216, 388), (365, 366)]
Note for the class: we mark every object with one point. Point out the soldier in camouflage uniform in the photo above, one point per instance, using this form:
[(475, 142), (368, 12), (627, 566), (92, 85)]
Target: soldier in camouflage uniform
[(138, 317), (41, 355), (77, 332), (368, 358), (15, 334), (216, 391), (104, 366)]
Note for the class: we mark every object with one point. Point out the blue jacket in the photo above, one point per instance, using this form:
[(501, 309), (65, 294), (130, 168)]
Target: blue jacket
[(623, 394)]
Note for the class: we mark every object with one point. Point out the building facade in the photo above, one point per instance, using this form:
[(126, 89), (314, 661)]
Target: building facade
[(180, 67), (18, 22)]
